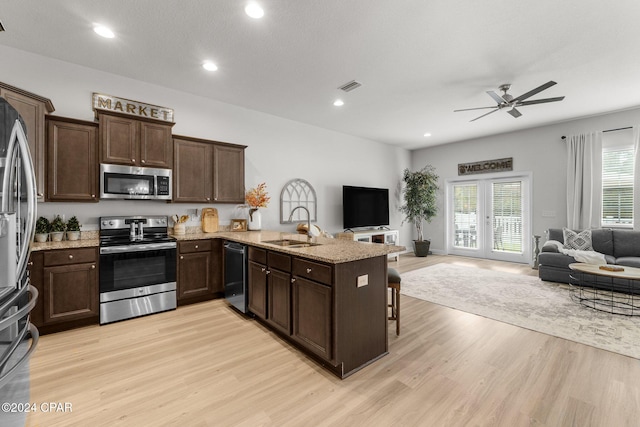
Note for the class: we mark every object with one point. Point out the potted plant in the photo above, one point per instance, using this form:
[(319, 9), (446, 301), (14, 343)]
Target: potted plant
[(57, 229), (420, 193), (42, 229), (73, 229)]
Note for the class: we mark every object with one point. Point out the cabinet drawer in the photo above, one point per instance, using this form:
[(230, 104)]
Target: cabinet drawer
[(69, 256), (312, 270), (258, 255), (279, 261), (195, 246)]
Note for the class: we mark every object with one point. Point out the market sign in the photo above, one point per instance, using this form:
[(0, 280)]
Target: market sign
[(486, 166), (133, 108)]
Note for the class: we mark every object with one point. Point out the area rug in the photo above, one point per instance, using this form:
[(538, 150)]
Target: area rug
[(524, 301)]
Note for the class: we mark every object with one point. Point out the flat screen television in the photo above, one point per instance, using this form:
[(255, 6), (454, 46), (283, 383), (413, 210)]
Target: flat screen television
[(365, 206)]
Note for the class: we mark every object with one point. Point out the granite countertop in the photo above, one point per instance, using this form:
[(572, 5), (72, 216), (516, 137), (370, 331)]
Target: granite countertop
[(88, 239), (332, 251)]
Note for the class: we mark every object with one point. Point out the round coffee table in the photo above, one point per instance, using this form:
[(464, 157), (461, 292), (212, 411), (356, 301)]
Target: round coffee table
[(614, 292)]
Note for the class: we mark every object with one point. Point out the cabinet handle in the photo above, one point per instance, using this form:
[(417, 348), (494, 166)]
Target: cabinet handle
[(70, 256), (133, 160), (263, 269), (308, 270), (93, 195), (196, 246), (208, 198), (267, 272), (93, 266), (30, 263), (141, 161), (181, 257), (293, 280), (40, 195)]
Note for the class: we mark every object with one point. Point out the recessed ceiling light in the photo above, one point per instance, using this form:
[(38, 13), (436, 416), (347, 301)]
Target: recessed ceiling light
[(427, 135), (338, 102), (103, 31), (254, 10), (209, 66)]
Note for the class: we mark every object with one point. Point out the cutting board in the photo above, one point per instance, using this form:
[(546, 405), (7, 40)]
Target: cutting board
[(209, 220)]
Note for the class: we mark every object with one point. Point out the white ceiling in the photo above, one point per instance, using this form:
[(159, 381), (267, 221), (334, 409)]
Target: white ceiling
[(417, 60)]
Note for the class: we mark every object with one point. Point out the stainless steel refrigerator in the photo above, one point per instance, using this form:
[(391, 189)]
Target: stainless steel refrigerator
[(18, 337)]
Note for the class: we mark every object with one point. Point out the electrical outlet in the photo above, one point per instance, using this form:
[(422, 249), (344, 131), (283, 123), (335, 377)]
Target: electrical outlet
[(363, 280)]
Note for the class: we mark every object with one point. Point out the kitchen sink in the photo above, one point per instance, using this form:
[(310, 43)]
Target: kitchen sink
[(291, 243)]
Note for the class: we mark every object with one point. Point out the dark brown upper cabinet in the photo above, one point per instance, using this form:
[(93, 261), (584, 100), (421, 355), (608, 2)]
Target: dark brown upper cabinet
[(207, 171), (72, 164), (134, 142), (33, 109)]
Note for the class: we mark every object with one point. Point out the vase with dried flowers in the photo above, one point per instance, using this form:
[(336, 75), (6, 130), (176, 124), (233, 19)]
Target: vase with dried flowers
[(256, 198)]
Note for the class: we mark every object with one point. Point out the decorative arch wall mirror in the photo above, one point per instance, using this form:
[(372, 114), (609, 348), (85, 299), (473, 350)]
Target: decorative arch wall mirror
[(298, 192)]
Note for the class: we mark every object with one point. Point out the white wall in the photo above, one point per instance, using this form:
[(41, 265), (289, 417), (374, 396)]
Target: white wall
[(278, 149), (540, 151)]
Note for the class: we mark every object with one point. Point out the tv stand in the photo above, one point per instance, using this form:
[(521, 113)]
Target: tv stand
[(376, 235)]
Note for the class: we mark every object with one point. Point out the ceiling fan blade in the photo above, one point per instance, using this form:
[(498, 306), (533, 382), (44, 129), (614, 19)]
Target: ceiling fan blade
[(515, 113), (469, 109), (496, 109), (534, 91), (540, 101), (496, 97)]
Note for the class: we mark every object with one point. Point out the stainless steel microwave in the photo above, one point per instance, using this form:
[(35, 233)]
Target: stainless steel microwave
[(132, 182)]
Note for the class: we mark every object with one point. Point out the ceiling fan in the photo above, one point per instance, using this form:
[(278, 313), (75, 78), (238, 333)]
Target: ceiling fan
[(508, 101)]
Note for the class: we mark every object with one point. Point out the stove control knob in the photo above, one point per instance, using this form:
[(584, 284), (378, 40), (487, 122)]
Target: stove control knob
[(110, 222)]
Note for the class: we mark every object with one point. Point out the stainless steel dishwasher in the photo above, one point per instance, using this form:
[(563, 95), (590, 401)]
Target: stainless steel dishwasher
[(235, 275)]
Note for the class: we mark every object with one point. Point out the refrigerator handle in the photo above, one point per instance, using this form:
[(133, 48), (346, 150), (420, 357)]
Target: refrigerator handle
[(18, 137)]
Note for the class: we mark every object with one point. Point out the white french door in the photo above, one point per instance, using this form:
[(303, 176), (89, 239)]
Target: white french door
[(490, 218)]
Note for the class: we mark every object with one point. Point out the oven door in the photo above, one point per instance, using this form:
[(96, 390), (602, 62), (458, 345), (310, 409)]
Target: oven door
[(137, 266)]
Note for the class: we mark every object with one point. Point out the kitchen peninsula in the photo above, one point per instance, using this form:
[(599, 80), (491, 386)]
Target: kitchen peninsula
[(328, 299)]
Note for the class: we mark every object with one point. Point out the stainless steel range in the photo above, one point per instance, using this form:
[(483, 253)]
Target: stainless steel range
[(137, 267)]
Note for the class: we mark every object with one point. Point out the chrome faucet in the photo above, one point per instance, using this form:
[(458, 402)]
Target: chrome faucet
[(308, 220)]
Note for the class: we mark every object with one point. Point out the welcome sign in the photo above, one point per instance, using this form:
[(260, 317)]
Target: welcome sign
[(486, 166), (134, 108)]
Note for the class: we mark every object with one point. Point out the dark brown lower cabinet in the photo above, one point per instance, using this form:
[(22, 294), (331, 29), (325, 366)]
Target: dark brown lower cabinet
[(70, 292), (257, 288), (279, 300), (196, 274), (312, 316)]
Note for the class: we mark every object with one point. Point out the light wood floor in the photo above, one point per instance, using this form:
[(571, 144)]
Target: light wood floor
[(205, 365)]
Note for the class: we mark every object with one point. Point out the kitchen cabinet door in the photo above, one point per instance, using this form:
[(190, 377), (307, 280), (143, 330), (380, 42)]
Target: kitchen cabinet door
[(32, 108), (312, 316), (279, 300), (72, 170), (194, 275), (257, 288), (217, 281), (119, 140), (228, 169), (70, 292), (192, 174), (156, 146)]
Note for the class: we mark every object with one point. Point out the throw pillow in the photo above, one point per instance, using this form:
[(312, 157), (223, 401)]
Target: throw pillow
[(579, 241)]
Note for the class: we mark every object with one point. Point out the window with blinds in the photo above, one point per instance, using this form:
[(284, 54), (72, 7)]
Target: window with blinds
[(617, 185)]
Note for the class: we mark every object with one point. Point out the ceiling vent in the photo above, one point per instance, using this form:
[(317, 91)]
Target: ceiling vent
[(348, 87)]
